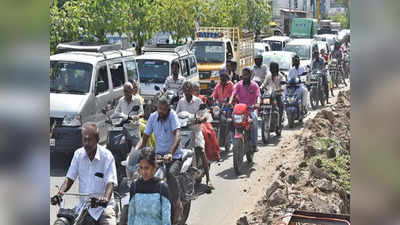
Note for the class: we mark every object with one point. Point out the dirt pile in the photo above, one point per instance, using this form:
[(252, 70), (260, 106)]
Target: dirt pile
[(321, 180)]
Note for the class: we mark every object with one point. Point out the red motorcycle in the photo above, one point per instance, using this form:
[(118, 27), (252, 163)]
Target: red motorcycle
[(242, 142)]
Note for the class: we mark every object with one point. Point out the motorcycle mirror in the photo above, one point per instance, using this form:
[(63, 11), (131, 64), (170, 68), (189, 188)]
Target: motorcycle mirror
[(283, 82), (104, 111), (135, 108), (157, 88)]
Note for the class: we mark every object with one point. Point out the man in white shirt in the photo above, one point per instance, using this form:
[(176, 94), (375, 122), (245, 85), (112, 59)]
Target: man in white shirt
[(174, 82), (191, 104), (125, 109), (94, 166), (259, 70), (295, 72)]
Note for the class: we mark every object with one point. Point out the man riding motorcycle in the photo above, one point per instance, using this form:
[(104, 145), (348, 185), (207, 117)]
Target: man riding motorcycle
[(319, 64), (247, 92), (259, 69), (272, 83), (174, 82), (124, 108), (231, 68), (191, 104), (165, 126), (295, 72)]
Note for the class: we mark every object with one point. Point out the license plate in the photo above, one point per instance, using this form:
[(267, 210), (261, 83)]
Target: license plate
[(203, 86), (52, 142)]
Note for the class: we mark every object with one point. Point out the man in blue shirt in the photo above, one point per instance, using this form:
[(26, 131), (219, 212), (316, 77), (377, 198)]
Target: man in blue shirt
[(165, 126)]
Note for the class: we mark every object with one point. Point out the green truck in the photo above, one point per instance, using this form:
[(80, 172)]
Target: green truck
[(303, 28)]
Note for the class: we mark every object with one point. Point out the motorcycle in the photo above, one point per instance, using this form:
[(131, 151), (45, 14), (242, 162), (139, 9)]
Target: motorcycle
[(293, 104), (269, 112), (222, 123), (318, 88), (118, 142), (242, 141), (337, 73), (346, 64), (72, 216)]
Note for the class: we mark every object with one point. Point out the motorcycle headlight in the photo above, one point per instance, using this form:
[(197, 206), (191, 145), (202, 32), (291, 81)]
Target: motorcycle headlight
[(238, 118), (216, 110), (266, 101), (72, 120), (291, 100)]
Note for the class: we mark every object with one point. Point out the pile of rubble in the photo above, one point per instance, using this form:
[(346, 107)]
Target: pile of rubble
[(320, 181)]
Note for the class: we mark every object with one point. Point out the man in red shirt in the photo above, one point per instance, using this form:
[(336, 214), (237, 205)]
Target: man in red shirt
[(223, 90)]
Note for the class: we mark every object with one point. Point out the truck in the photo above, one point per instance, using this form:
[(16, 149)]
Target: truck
[(303, 28), (214, 46)]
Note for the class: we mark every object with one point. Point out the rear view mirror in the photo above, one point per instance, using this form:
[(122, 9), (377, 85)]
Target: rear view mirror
[(135, 108), (157, 88), (283, 82), (100, 87)]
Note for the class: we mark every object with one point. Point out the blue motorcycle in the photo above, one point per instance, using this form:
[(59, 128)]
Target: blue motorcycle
[(293, 104)]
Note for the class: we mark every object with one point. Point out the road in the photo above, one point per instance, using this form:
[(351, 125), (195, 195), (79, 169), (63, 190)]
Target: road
[(233, 195)]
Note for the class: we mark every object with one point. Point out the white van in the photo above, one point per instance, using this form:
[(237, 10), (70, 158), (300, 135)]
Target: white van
[(277, 43), (154, 66), (85, 80)]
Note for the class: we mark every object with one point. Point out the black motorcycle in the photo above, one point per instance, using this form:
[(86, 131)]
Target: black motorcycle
[(269, 113), (119, 140), (319, 88), (222, 123)]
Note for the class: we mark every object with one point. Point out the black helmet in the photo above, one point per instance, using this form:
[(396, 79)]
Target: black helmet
[(258, 56)]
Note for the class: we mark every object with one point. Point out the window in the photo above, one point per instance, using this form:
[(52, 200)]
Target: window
[(102, 75), (70, 77), (117, 74), (131, 70), (295, 4), (193, 66), (185, 67)]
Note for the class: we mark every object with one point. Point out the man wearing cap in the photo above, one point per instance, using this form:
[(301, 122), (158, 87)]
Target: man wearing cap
[(259, 70), (223, 90)]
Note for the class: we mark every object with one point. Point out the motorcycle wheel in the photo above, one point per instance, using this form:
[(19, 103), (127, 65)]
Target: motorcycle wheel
[(265, 132), (313, 101), (290, 121), (249, 152), (186, 211), (237, 155), (322, 97), (199, 163)]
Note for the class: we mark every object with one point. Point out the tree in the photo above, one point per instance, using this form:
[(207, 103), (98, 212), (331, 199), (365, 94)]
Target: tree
[(259, 13), (346, 3), (342, 19)]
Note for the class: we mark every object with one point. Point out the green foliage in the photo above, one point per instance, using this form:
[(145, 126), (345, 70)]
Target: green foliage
[(91, 20), (338, 167), (343, 19)]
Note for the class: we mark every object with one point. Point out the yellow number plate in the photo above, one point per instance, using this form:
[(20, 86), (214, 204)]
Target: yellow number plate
[(203, 86)]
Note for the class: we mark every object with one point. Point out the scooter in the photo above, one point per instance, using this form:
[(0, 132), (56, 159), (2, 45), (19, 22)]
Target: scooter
[(242, 141), (269, 112), (293, 104), (74, 216), (118, 142)]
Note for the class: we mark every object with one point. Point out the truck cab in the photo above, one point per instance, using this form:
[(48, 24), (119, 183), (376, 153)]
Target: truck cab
[(214, 46)]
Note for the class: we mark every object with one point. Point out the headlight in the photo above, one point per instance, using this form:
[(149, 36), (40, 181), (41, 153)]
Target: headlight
[(266, 101), (292, 100), (216, 110), (72, 120), (238, 118)]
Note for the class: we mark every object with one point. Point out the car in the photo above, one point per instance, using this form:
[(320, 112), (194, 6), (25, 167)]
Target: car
[(277, 43), (303, 48), (86, 82), (154, 66), (283, 58), (330, 38), (260, 47)]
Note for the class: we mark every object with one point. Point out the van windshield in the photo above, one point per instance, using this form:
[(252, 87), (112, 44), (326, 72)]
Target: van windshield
[(275, 45), (152, 71), (70, 77), (303, 51), (209, 51)]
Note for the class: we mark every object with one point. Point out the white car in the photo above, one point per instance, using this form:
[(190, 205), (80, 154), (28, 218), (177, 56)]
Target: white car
[(283, 58), (330, 38), (277, 43)]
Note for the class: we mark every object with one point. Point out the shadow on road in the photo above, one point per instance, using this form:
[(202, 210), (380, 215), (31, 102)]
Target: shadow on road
[(229, 174)]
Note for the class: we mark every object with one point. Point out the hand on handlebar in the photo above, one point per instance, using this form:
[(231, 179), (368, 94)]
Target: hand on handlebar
[(56, 199), (167, 158)]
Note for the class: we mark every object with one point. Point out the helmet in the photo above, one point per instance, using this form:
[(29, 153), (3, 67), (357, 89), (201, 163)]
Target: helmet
[(223, 71)]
